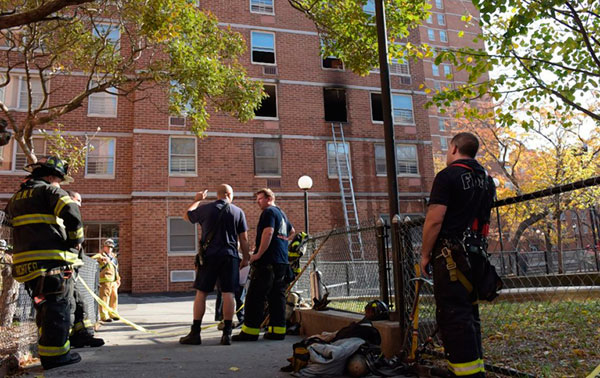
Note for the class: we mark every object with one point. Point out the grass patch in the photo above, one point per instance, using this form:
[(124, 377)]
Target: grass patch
[(547, 339)]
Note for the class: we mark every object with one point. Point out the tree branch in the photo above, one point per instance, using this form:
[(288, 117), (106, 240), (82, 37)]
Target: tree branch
[(41, 13)]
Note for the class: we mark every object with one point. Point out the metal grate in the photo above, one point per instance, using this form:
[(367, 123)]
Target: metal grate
[(270, 70), (176, 121), (274, 183)]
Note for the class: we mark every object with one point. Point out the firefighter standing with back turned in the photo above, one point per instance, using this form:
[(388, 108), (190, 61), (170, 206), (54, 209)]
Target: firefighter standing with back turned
[(109, 280), (459, 209), (45, 253)]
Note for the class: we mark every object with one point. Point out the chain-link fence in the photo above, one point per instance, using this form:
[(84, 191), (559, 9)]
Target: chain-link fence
[(18, 331), (545, 321), (346, 267)]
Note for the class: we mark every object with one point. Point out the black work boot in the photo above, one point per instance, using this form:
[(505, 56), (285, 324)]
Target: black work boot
[(243, 336), (226, 337), (192, 338), (81, 340), (54, 362)]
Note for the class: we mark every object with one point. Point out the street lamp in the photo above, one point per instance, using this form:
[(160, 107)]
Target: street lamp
[(305, 183)]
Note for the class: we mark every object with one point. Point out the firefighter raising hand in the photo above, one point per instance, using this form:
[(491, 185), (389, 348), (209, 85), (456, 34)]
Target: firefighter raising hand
[(201, 195)]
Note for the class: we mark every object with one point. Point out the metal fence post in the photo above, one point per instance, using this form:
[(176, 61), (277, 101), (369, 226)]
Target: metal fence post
[(381, 254), (398, 272)]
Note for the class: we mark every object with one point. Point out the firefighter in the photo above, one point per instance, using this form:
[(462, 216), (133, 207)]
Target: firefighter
[(269, 271), (457, 219), (296, 250), (44, 254), (109, 279)]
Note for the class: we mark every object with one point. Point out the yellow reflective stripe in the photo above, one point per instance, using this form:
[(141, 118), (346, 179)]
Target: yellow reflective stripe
[(250, 331), (44, 254), (52, 351), (467, 368), (87, 323), (104, 280), (78, 326), (30, 276), (34, 218), (77, 234), (62, 202), (277, 330)]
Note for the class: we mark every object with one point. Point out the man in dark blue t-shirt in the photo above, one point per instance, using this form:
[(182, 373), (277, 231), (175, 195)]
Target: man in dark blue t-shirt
[(270, 267), (225, 224)]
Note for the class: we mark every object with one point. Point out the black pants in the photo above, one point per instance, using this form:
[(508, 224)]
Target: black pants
[(81, 323), (54, 304), (267, 283), (457, 316), (240, 295)]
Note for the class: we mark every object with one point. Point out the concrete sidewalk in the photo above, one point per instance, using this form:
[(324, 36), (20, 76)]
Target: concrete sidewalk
[(136, 354)]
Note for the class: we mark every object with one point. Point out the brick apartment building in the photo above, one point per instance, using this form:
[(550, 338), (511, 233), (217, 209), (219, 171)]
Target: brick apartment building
[(146, 167)]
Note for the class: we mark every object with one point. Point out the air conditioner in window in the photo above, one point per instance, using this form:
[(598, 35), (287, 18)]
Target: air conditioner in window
[(176, 121), (270, 70)]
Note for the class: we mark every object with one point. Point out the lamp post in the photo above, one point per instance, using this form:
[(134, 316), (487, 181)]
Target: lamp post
[(305, 183)]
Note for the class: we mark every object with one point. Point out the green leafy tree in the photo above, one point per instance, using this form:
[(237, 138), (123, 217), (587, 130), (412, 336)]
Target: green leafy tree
[(19, 13), (347, 29), (541, 52), (162, 45)]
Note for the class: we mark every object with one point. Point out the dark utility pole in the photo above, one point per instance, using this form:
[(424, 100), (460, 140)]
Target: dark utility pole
[(390, 150)]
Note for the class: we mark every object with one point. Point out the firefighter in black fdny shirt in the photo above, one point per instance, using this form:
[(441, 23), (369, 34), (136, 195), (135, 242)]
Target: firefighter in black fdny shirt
[(458, 202), (47, 235)]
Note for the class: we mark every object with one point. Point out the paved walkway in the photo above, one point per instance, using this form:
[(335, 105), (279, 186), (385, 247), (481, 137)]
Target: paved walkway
[(133, 354)]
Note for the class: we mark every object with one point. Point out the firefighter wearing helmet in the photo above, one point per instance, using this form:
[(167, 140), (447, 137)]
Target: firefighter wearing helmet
[(45, 252), (109, 280)]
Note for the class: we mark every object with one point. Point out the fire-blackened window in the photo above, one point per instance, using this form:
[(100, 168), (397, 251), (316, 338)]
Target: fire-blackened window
[(335, 104), (268, 106)]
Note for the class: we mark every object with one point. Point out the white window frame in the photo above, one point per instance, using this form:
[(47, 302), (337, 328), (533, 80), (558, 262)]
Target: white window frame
[(101, 175), (431, 34), (22, 82), (183, 174), (104, 96), (439, 4), (429, 19), (443, 36), (14, 167), (116, 42), (444, 143), (365, 7), (442, 124), (276, 104), (393, 118), (447, 70), (334, 168), (398, 68), (181, 253), (272, 12), (435, 69), (268, 175), (441, 19), (252, 48), (399, 174)]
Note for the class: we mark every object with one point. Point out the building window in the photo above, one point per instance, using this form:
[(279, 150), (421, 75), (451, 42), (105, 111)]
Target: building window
[(444, 143), (341, 151), (261, 6), (109, 32), (37, 95), (335, 104), (435, 69), (263, 47), (100, 159), (399, 67), (182, 156), (431, 34), (429, 19), (183, 237), (441, 19), (447, 70), (96, 233), (439, 4), (437, 85), (333, 63), (406, 159), (442, 124), (268, 106), (267, 157), (369, 8), (402, 108), (443, 36), (103, 104), (17, 159)]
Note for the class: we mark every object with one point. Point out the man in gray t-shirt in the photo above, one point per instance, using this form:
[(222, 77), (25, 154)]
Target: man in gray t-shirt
[(226, 223)]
